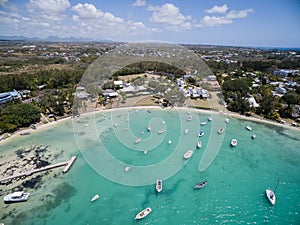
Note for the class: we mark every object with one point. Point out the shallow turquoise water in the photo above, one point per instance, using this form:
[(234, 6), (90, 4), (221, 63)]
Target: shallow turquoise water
[(237, 177)]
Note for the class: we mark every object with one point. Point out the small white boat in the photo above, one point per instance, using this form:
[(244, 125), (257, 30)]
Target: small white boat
[(271, 196), (145, 152), (161, 131), (186, 131), (137, 140), (221, 131), (142, 214), (94, 198), (248, 128), (158, 185), (18, 196), (203, 123), (226, 120), (233, 142), (189, 118), (201, 133), (199, 144), (188, 154), (209, 118), (202, 184), (253, 136), (149, 128), (169, 142), (127, 168)]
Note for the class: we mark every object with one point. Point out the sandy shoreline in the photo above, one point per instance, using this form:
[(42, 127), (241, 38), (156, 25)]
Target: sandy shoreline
[(41, 127)]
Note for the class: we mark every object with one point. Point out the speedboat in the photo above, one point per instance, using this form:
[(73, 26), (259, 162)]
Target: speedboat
[(158, 186), (233, 142), (226, 120), (221, 131), (209, 118), (127, 168), (188, 154), (201, 133), (189, 118), (186, 131), (253, 136), (248, 128), (200, 185), (271, 196), (199, 144), (149, 128), (137, 140), (169, 142), (203, 123), (18, 196), (142, 214), (94, 198)]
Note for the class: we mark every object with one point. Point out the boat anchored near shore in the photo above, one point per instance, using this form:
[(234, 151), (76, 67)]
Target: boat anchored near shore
[(18, 196), (142, 214)]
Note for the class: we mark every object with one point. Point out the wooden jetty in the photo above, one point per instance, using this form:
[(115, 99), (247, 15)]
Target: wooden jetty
[(67, 165)]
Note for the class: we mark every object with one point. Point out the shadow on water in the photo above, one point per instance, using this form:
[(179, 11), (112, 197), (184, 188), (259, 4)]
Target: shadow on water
[(62, 193), (281, 131)]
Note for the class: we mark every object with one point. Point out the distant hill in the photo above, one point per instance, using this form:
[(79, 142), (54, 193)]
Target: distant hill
[(52, 39)]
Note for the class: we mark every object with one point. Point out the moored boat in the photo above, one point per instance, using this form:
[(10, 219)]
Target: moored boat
[(95, 197), (161, 131), (248, 128), (209, 118), (271, 196), (137, 140), (186, 131), (200, 185), (149, 128), (253, 136), (221, 131), (201, 133), (18, 196), (158, 185), (233, 142), (199, 144), (142, 214), (203, 123), (226, 120), (188, 154)]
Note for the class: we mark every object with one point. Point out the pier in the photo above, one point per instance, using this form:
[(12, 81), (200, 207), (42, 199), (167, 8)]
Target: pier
[(67, 165)]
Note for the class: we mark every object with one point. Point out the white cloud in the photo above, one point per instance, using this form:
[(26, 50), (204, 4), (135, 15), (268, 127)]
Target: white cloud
[(233, 14), (215, 20), (139, 3), (217, 9), (48, 6), (3, 2), (170, 16)]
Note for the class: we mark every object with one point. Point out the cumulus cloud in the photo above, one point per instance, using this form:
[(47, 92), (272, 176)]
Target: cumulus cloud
[(233, 14), (217, 9), (139, 3), (49, 6), (228, 18), (3, 2), (170, 16)]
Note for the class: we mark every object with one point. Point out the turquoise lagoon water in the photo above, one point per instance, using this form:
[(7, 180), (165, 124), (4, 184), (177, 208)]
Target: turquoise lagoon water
[(105, 144)]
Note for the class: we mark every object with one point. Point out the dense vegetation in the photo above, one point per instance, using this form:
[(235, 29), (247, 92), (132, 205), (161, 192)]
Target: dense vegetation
[(18, 115), (156, 67)]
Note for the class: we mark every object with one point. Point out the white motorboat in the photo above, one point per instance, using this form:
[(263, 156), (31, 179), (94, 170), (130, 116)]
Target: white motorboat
[(188, 154), (161, 131), (221, 131), (202, 184), (271, 196), (209, 118), (201, 133), (203, 123), (149, 128), (158, 185), (18, 196), (94, 198), (226, 120), (199, 144), (186, 131), (142, 214), (127, 168), (233, 142), (253, 136), (248, 128), (169, 142), (137, 140), (189, 118)]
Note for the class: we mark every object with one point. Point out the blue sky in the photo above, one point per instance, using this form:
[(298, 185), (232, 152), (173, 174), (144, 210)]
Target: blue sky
[(265, 23)]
